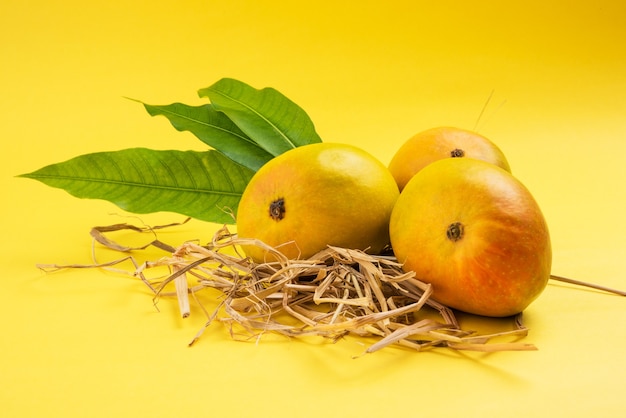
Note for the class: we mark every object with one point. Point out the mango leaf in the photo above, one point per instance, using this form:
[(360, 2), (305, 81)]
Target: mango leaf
[(214, 129), (268, 117), (203, 185)]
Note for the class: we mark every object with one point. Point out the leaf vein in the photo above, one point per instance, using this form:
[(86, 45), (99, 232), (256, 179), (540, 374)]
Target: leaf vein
[(210, 125), (263, 117), (139, 185)]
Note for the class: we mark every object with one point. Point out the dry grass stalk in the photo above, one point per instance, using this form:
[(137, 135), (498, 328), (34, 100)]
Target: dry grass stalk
[(337, 292), (590, 285)]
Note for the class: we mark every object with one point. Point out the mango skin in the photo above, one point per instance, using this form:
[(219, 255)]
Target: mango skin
[(442, 142), (500, 263), (332, 194)]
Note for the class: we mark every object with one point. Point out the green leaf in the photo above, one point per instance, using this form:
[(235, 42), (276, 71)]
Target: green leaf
[(214, 129), (203, 185), (268, 117)]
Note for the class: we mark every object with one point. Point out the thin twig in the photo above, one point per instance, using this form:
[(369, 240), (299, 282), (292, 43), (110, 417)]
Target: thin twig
[(587, 284)]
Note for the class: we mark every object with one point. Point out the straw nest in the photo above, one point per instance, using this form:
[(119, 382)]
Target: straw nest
[(336, 292)]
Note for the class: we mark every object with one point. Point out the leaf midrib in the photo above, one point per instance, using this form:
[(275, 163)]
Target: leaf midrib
[(209, 125), (134, 184), (265, 119)]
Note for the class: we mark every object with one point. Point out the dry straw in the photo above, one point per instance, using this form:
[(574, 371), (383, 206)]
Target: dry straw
[(337, 292)]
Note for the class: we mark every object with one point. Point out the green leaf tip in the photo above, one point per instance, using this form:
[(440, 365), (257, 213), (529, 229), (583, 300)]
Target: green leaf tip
[(269, 118), (214, 129), (203, 185)]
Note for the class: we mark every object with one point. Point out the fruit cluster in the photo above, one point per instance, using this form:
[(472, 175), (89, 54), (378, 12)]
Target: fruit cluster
[(447, 204)]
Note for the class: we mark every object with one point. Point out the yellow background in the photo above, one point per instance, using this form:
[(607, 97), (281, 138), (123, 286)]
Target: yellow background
[(90, 343)]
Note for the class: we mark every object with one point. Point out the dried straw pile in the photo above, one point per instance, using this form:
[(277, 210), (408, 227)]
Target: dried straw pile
[(336, 292)]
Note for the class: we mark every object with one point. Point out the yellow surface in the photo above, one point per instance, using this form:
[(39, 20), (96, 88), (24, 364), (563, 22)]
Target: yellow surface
[(90, 343)]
